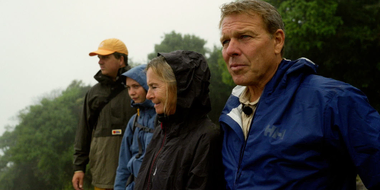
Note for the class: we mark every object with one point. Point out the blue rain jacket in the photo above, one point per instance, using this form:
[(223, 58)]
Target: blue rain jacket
[(308, 132), (128, 163)]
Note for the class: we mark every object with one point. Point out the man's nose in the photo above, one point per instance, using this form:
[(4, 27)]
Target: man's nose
[(233, 48)]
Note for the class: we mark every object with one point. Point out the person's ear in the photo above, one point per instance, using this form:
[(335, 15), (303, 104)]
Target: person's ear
[(121, 61), (279, 41)]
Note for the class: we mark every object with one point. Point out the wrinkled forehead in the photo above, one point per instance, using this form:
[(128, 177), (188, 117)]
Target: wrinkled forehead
[(248, 16)]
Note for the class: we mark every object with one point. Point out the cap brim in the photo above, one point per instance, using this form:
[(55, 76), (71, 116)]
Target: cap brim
[(101, 52)]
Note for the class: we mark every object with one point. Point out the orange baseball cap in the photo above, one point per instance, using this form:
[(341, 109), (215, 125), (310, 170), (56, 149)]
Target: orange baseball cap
[(110, 46)]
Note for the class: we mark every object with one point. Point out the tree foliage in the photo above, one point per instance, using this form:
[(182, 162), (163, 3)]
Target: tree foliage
[(37, 154), (341, 36), (176, 41), (221, 83)]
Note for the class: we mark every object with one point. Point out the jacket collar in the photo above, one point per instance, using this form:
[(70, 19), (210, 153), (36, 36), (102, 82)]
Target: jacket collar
[(147, 104), (287, 70), (178, 123), (104, 79)]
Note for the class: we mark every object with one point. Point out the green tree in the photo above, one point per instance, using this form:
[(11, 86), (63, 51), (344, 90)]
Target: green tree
[(221, 83), (37, 154), (176, 41), (309, 23), (342, 37)]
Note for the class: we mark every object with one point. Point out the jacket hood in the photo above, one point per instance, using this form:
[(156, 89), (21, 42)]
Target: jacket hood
[(138, 74), (193, 78)]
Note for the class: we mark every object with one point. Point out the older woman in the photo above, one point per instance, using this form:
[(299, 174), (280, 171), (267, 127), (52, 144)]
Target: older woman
[(185, 151)]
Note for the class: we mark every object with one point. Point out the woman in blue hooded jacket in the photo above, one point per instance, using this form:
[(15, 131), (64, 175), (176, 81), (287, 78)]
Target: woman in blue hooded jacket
[(138, 132)]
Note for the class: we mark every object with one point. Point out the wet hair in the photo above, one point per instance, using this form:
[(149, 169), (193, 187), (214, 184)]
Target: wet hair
[(271, 18), (165, 73), (118, 55)]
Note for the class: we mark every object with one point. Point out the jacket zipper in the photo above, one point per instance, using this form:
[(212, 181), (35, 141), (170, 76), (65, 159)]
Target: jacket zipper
[(154, 160), (238, 172)]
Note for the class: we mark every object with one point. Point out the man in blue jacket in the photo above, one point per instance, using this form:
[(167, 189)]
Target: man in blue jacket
[(284, 126)]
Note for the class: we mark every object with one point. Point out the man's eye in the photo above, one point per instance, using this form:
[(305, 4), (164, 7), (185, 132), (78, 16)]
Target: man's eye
[(225, 42), (245, 36)]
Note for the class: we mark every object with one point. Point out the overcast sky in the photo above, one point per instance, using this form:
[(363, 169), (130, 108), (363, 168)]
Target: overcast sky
[(45, 43)]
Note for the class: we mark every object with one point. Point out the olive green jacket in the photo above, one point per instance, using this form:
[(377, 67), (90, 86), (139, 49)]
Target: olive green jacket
[(97, 141)]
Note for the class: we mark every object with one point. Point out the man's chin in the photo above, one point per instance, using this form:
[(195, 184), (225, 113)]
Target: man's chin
[(240, 82)]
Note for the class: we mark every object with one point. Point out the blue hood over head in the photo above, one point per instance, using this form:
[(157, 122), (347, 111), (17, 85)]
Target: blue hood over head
[(138, 74)]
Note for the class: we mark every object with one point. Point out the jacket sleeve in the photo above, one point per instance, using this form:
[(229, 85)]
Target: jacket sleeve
[(83, 138), (125, 155), (206, 171), (359, 125)]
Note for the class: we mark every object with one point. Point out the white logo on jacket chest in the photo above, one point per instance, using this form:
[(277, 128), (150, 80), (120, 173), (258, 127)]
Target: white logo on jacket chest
[(274, 132)]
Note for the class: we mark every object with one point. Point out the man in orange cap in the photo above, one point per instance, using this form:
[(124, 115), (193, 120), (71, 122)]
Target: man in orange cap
[(106, 112)]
